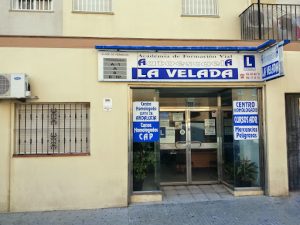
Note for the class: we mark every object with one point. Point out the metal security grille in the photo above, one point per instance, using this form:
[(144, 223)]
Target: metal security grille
[(92, 5), (200, 7), (52, 128), (114, 68), (293, 139), (37, 5)]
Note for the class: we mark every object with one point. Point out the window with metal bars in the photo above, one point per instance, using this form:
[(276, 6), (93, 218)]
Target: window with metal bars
[(96, 6), (32, 5), (52, 128), (200, 7)]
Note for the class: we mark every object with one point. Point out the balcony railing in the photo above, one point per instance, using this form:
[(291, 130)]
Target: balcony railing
[(271, 21)]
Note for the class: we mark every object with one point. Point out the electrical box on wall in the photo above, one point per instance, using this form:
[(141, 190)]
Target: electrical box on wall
[(14, 86)]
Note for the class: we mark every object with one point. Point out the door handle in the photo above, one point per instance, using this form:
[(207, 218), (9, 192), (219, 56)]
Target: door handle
[(196, 142), (180, 142)]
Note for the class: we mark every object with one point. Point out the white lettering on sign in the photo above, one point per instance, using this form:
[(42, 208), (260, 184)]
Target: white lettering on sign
[(185, 73), (184, 67), (272, 62), (245, 120), (245, 107), (145, 121)]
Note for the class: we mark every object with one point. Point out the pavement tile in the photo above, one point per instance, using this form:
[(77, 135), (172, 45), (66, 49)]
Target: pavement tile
[(167, 188), (206, 190), (201, 197), (183, 192), (196, 191), (213, 196), (226, 196), (180, 210), (193, 187), (171, 192), (181, 187)]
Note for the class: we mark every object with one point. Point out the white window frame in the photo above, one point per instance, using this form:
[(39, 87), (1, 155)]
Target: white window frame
[(92, 6), (200, 8), (32, 5)]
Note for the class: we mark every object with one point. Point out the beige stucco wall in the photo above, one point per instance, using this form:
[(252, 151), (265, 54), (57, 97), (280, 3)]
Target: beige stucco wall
[(155, 19), (101, 179), (78, 182), (5, 131), (265, 1), (276, 123)]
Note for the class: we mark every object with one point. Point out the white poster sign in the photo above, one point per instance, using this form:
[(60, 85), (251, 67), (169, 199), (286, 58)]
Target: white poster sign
[(169, 136), (174, 67), (245, 120)]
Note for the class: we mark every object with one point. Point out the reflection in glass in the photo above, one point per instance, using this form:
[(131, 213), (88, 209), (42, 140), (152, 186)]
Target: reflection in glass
[(246, 152), (228, 156), (144, 159), (145, 156), (172, 147)]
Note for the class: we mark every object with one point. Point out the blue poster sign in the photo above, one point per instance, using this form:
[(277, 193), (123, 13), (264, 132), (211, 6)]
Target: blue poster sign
[(245, 120), (146, 122)]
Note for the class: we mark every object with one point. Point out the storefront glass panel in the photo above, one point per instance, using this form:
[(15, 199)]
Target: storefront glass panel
[(197, 140), (145, 155), (247, 152)]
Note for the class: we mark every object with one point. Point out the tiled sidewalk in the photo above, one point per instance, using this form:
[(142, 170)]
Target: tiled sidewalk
[(193, 193), (258, 210)]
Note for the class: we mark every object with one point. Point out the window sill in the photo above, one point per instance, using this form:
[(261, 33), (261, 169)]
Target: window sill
[(50, 155), (207, 16), (87, 12), (33, 11)]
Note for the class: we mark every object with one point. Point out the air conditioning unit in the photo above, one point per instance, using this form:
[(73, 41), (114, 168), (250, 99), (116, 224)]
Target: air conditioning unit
[(14, 86)]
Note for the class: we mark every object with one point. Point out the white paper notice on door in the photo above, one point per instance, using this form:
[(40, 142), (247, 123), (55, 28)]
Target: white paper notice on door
[(210, 122), (169, 137), (164, 123), (177, 117), (210, 126), (210, 130)]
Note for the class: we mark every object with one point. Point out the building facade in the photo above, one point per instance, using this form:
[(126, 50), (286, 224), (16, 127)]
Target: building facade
[(70, 143)]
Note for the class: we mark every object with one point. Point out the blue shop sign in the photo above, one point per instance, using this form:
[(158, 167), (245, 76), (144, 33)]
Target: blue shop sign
[(245, 120), (146, 122)]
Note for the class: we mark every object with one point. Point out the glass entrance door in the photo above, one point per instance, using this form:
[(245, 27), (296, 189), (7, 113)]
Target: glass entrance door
[(203, 146), (173, 145), (188, 146)]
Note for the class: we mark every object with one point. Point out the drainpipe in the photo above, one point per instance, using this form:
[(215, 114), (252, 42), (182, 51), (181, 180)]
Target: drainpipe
[(259, 21)]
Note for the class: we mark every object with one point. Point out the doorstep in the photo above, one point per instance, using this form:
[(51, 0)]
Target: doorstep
[(239, 192), (146, 196), (195, 193)]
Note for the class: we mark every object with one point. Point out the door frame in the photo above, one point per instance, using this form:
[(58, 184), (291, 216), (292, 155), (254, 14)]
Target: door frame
[(188, 149)]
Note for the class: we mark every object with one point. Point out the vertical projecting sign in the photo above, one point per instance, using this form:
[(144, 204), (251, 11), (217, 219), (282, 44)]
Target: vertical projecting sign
[(145, 122), (272, 62), (245, 120)]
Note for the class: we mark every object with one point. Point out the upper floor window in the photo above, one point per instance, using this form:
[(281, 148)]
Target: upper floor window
[(97, 6), (32, 5), (200, 7)]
